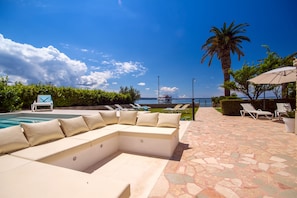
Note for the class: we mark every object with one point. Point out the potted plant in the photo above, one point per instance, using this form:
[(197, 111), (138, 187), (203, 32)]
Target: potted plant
[(289, 120)]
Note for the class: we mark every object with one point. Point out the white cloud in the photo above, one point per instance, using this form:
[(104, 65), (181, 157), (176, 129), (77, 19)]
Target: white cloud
[(141, 84), (128, 67), (93, 60), (95, 80), (33, 65), (168, 90), (30, 65), (220, 90), (12, 79)]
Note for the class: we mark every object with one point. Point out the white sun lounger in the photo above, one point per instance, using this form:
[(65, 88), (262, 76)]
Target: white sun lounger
[(119, 107), (172, 110), (183, 109), (249, 108), (43, 101), (282, 109)]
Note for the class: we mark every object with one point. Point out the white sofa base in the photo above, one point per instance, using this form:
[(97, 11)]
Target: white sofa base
[(36, 176), (85, 156), (160, 142), (83, 150)]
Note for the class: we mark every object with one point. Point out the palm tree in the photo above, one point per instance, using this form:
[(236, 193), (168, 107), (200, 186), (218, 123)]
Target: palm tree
[(222, 43)]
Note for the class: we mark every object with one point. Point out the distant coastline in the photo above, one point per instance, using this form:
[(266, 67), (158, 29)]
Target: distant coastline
[(204, 102)]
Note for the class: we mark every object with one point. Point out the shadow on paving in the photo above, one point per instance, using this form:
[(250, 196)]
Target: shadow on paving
[(179, 150)]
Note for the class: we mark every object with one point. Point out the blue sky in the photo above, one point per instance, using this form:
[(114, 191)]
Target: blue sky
[(105, 44)]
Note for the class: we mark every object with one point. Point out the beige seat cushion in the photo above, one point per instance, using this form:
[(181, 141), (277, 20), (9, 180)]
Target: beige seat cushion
[(169, 120), (94, 121), (147, 119), (109, 117), (128, 117), (72, 126), (12, 139), (38, 133)]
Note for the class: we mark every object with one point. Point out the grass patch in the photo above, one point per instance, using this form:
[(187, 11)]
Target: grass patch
[(219, 109), (184, 116)]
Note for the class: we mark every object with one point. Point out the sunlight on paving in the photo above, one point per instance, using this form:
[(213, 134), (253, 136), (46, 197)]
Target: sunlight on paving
[(141, 172)]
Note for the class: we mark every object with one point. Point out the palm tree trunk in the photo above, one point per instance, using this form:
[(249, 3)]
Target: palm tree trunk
[(226, 65)]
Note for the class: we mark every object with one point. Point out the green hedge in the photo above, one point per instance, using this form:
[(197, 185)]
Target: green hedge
[(9, 97), (21, 96), (67, 96), (232, 107)]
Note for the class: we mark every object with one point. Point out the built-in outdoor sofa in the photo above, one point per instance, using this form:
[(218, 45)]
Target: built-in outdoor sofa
[(48, 159)]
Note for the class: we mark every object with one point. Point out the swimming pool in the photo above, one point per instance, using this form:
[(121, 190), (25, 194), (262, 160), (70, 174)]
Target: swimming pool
[(13, 119)]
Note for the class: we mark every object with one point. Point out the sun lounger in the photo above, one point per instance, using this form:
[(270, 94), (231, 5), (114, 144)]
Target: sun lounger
[(119, 107), (135, 107), (174, 109), (109, 108), (282, 109), (43, 101), (183, 109), (139, 107), (142, 107), (249, 108)]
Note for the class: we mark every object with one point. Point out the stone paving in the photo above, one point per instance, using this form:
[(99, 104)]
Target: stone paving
[(231, 156)]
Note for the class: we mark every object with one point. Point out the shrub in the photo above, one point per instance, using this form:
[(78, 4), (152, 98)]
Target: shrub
[(231, 106), (216, 101), (9, 97), (13, 97)]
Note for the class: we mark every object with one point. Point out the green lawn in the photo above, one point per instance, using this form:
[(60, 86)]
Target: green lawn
[(219, 109), (184, 116)]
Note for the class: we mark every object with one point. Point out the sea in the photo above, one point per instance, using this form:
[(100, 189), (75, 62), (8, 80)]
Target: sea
[(203, 102)]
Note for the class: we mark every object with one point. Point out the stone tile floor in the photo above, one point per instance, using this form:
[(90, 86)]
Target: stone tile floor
[(231, 156)]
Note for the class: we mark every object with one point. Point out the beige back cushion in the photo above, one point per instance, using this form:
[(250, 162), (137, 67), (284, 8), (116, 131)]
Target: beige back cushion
[(38, 133), (94, 121), (169, 120), (128, 117), (12, 139), (109, 117), (147, 119), (73, 126)]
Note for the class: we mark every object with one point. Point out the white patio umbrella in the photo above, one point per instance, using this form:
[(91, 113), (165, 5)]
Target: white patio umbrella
[(276, 76)]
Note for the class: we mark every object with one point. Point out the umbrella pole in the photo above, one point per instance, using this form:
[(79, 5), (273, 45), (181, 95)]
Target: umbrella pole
[(295, 64), (264, 105)]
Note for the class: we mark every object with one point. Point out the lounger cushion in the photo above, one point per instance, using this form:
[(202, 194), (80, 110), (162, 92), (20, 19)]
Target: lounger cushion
[(169, 120), (128, 117), (72, 126), (38, 133), (147, 119), (12, 139), (94, 121), (109, 117)]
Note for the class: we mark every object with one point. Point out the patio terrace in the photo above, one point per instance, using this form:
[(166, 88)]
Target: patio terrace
[(231, 156), (218, 156)]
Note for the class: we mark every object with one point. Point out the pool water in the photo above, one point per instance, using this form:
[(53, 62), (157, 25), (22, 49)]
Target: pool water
[(8, 120)]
